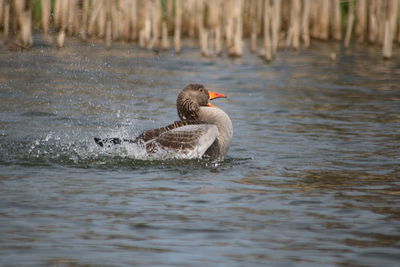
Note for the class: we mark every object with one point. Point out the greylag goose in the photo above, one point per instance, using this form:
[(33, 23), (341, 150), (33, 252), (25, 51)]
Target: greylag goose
[(203, 131)]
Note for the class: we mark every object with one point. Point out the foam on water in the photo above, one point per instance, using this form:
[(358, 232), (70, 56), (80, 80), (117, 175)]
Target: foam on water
[(78, 149)]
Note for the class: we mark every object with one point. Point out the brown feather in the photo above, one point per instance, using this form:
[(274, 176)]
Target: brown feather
[(154, 133), (176, 140)]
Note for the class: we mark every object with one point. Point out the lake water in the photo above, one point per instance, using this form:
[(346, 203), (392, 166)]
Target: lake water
[(312, 176)]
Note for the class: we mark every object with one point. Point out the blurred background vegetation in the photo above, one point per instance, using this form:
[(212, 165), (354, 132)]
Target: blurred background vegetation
[(219, 26)]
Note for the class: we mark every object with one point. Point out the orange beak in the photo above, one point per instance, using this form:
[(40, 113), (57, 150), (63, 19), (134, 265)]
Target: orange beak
[(212, 95)]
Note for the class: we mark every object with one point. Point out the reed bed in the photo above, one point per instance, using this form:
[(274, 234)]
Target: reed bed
[(219, 26)]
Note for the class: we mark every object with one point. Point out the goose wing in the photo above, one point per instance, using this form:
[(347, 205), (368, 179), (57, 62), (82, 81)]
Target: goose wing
[(182, 139)]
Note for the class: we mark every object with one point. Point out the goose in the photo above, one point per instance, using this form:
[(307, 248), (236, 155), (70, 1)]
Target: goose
[(203, 131)]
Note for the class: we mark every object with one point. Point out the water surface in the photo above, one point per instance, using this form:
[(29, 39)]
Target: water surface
[(312, 176)]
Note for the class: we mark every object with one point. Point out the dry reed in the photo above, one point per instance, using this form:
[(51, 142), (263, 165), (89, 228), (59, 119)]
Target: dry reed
[(220, 26)]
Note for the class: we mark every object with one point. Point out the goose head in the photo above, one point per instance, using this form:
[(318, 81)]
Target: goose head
[(191, 98)]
